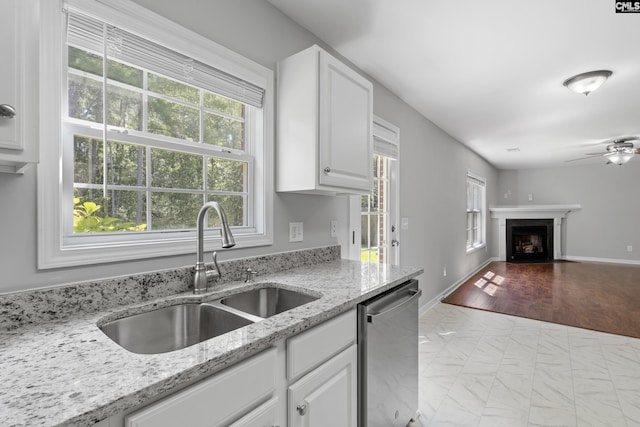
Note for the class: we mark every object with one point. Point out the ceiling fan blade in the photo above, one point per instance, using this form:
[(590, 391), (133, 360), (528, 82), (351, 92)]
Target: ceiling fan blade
[(596, 154), (584, 158), (625, 139)]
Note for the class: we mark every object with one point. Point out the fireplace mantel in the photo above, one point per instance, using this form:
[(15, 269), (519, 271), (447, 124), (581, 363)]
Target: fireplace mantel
[(555, 212)]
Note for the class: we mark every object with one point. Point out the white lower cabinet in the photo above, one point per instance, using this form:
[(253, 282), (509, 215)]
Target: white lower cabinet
[(322, 374), (328, 395), (215, 401), (307, 380)]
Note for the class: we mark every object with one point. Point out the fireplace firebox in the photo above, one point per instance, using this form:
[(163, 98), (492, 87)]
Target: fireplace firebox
[(529, 240)]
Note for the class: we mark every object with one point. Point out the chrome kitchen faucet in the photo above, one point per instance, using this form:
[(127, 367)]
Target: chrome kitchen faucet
[(202, 275)]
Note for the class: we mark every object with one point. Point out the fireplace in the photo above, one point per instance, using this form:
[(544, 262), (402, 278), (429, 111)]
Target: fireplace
[(553, 213), (529, 240)]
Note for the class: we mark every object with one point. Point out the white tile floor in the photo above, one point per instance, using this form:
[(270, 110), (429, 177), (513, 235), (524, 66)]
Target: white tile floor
[(487, 369)]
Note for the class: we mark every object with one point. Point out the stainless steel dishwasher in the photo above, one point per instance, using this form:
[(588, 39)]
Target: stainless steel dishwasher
[(388, 357)]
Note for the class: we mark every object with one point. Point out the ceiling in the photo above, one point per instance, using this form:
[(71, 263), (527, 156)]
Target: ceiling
[(490, 72)]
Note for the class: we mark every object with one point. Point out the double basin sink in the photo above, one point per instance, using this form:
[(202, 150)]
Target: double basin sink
[(184, 324)]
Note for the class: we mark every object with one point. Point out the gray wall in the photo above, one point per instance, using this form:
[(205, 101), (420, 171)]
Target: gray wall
[(609, 219), (433, 168)]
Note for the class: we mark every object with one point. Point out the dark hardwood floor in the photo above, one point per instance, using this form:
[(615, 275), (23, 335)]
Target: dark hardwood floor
[(599, 296)]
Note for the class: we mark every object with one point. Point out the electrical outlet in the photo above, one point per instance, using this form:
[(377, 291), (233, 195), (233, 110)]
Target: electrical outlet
[(334, 228), (295, 232), (531, 197), (629, 248), (444, 273)]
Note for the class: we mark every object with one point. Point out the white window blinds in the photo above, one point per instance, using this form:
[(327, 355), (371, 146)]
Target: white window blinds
[(385, 139), (475, 192), (98, 36)]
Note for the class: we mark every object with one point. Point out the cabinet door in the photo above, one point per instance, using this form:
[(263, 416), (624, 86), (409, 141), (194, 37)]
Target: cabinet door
[(18, 83), (10, 72), (326, 396), (346, 123)]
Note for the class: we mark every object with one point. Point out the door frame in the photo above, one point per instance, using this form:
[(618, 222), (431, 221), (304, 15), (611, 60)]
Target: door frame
[(388, 135)]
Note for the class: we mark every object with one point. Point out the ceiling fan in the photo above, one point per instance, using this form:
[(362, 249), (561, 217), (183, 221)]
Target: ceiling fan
[(619, 151)]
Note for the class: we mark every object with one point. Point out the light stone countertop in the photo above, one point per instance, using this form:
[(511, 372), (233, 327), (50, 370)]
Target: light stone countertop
[(67, 372)]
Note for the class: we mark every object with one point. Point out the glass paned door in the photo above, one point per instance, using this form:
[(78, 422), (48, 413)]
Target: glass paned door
[(376, 227)]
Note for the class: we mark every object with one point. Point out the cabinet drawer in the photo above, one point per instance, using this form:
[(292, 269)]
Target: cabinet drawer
[(313, 347), (216, 400), (263, 415)]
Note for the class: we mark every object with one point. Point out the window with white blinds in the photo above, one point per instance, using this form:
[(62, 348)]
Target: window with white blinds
[(155, 122), (100, 36), (475, 211)]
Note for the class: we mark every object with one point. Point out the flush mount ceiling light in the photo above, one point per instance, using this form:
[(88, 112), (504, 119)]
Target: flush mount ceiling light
[(586, 83)]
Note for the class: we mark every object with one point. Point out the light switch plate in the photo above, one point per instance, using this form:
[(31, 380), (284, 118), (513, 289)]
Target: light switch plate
[(295, 232), (404, 223)]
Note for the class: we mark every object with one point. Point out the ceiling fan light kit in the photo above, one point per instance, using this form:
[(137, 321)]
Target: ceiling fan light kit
[(619, 151), (586, 83), (619, 158)]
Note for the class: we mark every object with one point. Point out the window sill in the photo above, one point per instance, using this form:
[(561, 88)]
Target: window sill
[(76, 255), (476, 248)]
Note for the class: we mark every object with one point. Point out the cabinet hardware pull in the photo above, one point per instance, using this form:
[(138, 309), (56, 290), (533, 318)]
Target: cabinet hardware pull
[(302, 409), (327, 169), (7, 111)]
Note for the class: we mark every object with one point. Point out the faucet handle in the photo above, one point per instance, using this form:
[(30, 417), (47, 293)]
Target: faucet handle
[(250, 275), (215, 272)]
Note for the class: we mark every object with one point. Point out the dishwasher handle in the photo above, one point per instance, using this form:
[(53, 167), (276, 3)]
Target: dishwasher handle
[(415, 294)]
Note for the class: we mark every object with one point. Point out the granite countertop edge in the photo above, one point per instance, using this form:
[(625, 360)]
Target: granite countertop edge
[(109, 380)]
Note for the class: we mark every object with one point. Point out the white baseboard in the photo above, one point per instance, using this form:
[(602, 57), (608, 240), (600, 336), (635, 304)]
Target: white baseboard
[(442, 295), (608, 260)]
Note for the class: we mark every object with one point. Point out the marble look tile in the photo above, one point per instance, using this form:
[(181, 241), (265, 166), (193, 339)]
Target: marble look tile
[(553, 349), (443, 371), (472, 391), (630, 403), (461, 348), (552, 417), (596, 397), (552, 388), (548, 375), (431, 394), (597, 420), (490, 419), (451, 413)]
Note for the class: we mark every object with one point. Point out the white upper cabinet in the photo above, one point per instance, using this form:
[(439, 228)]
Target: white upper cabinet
[(325, 117), (18, 85)]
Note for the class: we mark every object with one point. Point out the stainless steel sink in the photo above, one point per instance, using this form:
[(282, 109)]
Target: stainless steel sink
[(172, 328), (267, 302)]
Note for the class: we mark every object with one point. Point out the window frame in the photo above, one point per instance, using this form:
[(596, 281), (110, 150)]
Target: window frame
[(477, 223), (57, 249)]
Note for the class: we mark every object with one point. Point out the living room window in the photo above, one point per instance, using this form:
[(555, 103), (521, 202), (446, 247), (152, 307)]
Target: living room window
[(154, 121), (475, 211)]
